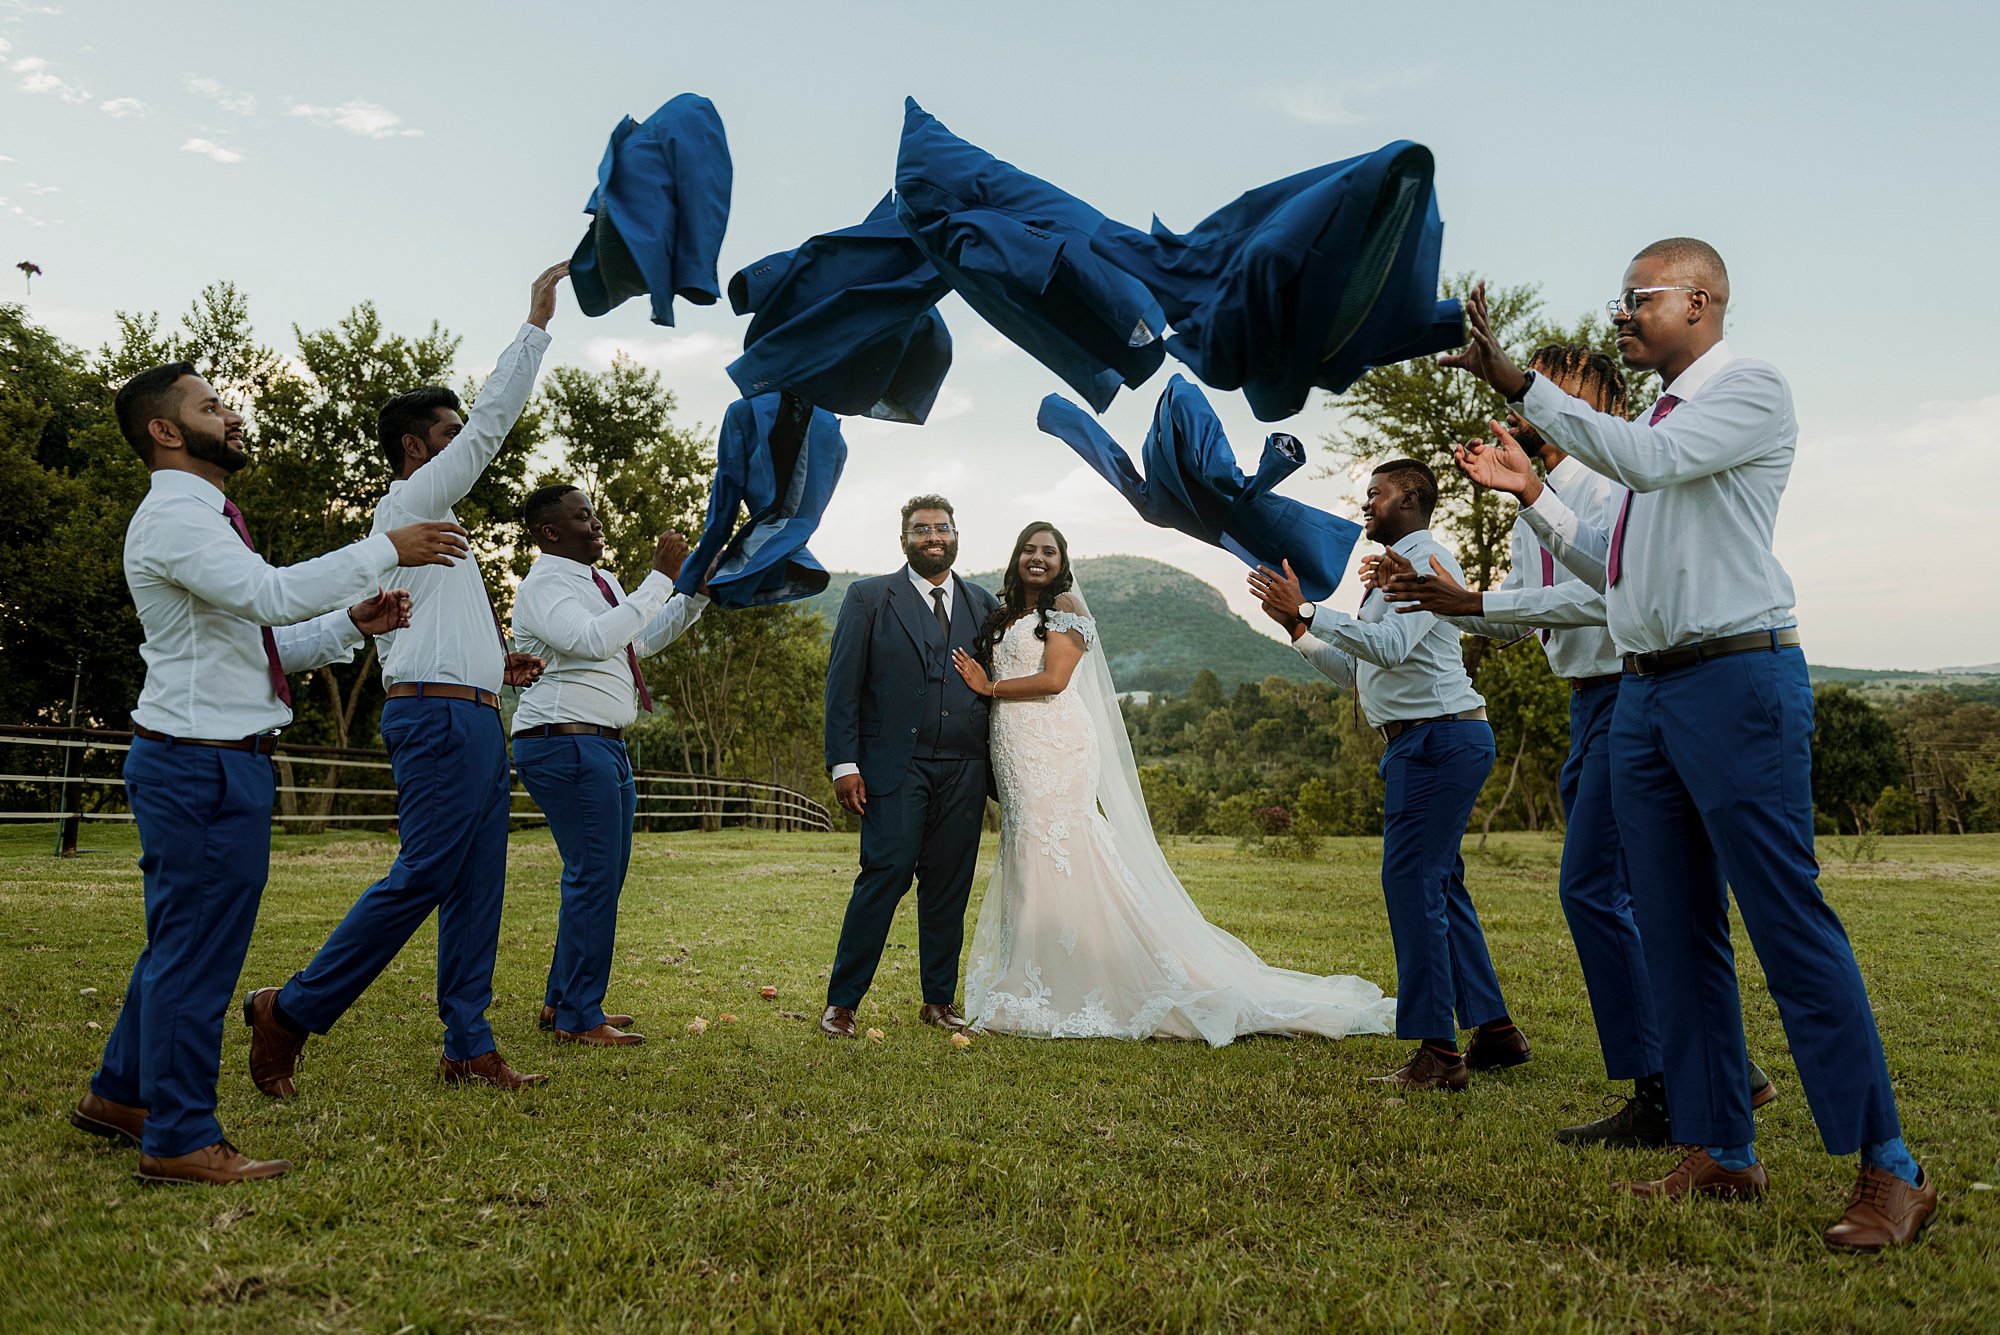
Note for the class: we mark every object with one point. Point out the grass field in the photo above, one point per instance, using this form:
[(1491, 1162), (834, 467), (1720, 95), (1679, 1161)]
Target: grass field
[(756, 1176)]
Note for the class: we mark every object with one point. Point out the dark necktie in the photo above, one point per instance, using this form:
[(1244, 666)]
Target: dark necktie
[(1548, 579), (631, 654), (278, 682), (944, 617), (1613, 566)]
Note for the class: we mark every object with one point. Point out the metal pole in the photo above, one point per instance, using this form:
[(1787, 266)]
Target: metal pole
[(67, 825)]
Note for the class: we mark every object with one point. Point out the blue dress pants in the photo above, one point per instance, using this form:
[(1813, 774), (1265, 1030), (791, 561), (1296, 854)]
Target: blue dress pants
[(1433, 775), (450, 762), (204, 817), (584, 786), (1596, 893), (1712, 772)]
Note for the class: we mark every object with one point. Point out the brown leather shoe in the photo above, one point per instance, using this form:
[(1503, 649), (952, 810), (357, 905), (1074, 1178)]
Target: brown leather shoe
[(1884, 1211), (1700, 1175), (488, 1068), (113, 1121), (214, 1165), (838, 1022), (1426, 1070), (1493, 1051), (604, 1036), (945, 1017), (274, 1049), (548, 1020)]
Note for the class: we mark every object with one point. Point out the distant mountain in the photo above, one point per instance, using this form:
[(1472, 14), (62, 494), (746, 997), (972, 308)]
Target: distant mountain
[(1160, 625)]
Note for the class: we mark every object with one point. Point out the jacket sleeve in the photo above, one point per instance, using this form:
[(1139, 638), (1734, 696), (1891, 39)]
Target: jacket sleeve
[(846, 670)]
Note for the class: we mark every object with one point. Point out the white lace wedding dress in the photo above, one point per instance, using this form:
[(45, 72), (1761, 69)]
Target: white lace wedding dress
[(1085, 931)]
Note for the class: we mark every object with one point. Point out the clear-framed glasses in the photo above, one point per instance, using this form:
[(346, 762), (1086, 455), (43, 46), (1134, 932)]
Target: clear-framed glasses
[(926, 530), (1628, 301)]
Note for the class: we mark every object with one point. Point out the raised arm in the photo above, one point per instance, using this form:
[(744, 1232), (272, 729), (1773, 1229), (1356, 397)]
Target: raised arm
[(199, 552), (553, 612), (1735, 419), (681, 612)]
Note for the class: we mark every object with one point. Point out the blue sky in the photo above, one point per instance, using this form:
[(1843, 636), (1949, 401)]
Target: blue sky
[(432, 157)]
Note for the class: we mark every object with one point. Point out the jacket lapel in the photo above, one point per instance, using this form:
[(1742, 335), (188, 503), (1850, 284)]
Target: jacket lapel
[(916, 620)]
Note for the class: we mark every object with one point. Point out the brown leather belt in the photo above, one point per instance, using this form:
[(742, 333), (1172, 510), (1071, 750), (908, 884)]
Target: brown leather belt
[(263, 743), (1688, 655), (1592, 683), (441, 690), (1395, 728), (572, 730)]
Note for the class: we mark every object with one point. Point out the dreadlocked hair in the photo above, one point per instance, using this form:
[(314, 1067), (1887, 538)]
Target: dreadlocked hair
[(1014, 595), (1592, 376)]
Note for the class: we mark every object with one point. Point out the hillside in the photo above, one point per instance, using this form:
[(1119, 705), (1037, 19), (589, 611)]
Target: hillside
[(1160, 624)]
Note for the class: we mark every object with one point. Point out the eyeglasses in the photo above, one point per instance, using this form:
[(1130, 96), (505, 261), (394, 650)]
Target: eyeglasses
[(925, 530), (1628, 301)]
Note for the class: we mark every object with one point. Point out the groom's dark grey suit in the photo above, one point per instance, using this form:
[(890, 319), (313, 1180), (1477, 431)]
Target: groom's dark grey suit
[(896, 707)]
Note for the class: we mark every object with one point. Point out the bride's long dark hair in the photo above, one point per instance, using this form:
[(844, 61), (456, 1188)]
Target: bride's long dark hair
[(1014, 595)]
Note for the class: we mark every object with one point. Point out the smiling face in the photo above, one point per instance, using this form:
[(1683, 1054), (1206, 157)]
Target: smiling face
[(1039, 562), (574, 531), (1660, 329), (1383, 511), (930, 542)]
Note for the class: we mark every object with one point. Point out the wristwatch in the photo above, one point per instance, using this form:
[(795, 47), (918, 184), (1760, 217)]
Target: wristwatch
[(1306, 611), (1527, 381)]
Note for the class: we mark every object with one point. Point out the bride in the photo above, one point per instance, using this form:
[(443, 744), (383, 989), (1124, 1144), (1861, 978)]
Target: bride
[(1085, 931)]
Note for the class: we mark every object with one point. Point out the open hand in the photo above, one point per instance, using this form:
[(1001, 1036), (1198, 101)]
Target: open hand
[(522, 670), (542, 296), (1484, 356), (1281, 595), (668, 553), (388, 610), (975, 675), (1500, 466), (430, 543), (1435, 592)]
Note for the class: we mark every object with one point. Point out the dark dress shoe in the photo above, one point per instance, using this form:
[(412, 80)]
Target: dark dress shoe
[(274, 1049), (1762, 1091), (113, 1121), (488, 1068), (1884, 1211), (944, 1016), (838, 1022), (604, 1036), (1426, 1070), (214, 1165), (1491, 1051), (547, 1021), (1634, 1124), (1700, 1175)]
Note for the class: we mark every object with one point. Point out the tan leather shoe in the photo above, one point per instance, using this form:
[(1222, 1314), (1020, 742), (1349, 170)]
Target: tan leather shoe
[(1700, 1175), (1493, 1051), (274, 1049), (113, 1121), (1426, 1070), (213, 1165), (945, 1017), (488, 1068), (548, 1020), (604, 1036), (838, 1022), (1884, 1211)]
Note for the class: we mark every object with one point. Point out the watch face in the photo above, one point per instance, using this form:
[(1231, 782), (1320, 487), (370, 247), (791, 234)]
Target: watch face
[(1306, 610)]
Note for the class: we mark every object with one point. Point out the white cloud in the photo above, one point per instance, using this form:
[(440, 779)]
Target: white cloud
[(1315, 105), (243, 104), (38, 76), (367, 119), (208, 148), (120, 107), (37, 188), (673, 352)]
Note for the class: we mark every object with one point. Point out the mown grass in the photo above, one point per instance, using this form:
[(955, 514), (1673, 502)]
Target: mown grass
[(756, 1176)]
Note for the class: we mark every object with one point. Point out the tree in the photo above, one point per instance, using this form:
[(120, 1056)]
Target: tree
[(1528, 706), (1948, 743), (1854, 756)]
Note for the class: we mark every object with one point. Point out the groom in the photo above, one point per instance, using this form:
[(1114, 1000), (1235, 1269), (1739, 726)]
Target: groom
[(906, 745)]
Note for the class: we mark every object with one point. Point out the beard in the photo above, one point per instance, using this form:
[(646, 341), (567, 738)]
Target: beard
[(213, 450), (930, 567)]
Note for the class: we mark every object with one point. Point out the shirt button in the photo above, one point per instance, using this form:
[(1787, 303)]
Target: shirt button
[(944, 713)]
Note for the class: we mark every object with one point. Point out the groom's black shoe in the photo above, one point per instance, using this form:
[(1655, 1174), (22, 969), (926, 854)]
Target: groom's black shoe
[(943, 1016), (838, 1022), (1635, 1124), (1762, 1091)]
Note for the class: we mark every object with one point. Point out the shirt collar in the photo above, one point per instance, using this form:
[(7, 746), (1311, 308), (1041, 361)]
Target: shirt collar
[(1700, 371), (1410, 542), (924, 586), (180, 482), (562, 565)]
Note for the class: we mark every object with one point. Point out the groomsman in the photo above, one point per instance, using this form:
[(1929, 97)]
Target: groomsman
[(1711, 741), (441, 724), (1413, 687), (569, 734), (222, 629)]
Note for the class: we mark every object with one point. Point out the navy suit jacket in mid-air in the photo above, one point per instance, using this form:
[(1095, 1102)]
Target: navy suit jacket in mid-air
[(847, 321), (658, 212), (1018, 250), (781, 457), (1192, 484), (1305, 282)]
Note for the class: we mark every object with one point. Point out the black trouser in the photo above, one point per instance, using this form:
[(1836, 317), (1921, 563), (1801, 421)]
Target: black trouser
[(927, 829)]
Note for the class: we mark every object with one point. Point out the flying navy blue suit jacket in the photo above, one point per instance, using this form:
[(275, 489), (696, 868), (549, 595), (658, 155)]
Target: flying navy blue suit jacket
[(1192, 484), (658, 212), (1018, 250), (847, 321), (1304, 282), (780, 457)]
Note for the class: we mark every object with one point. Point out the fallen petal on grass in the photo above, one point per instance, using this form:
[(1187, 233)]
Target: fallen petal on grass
[(768, 993), (961, 1040), (86, 991), (876, 1035), (697, 1025), (725, 1018)]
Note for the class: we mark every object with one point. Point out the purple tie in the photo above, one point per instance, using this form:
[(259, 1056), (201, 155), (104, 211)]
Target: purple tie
[(631, 654), (278, 682), (1612, 566), (1548, 578)]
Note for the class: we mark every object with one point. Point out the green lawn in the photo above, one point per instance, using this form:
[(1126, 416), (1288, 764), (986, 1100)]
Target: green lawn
[(757, 1176)]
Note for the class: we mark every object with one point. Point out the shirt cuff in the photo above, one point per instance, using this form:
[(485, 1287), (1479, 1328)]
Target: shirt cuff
[(380, 551), (1542, 397), (1551, 509), (842, 770), (533, 335), (1500, 604)]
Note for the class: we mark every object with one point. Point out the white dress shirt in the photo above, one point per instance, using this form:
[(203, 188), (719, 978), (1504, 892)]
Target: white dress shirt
[(1569, 610), (923, 587), (561, 617), (1696, 563), (451, 636), (203, 598), (1406, 666)]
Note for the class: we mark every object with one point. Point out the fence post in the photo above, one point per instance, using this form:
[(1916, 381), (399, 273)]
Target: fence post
[(68, 823)]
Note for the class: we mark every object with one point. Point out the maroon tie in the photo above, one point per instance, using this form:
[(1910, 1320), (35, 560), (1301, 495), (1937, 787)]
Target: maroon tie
[(1548, 578), (631, 654), (278, 682), (1612, 566)]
